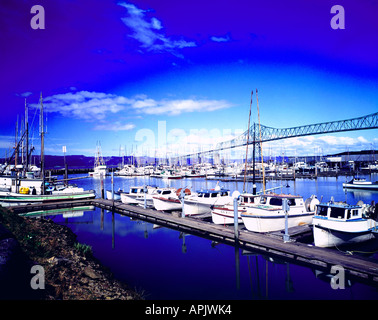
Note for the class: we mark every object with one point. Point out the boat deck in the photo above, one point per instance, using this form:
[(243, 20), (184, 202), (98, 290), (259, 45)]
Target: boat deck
[(271, 244)]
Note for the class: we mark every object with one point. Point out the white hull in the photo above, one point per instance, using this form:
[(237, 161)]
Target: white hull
[(129, 199), (116, 195), (274, 222), (202, 206), (166, 204), (329, 233), (225, 216), (366, 186)]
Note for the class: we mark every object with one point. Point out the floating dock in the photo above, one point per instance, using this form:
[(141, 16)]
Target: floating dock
[(359, 267)]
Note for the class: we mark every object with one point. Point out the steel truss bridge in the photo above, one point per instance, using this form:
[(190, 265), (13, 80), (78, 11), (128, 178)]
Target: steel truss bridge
[(270, 134)]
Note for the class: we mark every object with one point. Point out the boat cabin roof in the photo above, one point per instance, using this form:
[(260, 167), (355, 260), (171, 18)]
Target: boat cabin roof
[(282, 196), (212, 191), (341, 205)]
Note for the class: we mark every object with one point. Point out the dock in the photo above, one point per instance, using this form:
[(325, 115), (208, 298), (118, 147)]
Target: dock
[(366, 270)]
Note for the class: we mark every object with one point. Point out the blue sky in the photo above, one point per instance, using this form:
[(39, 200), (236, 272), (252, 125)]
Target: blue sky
[(177, 75)]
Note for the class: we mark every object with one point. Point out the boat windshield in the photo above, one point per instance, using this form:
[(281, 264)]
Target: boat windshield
[(322, 211), (337, 213)]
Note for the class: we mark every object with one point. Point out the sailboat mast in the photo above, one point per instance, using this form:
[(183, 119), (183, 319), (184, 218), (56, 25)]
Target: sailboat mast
[(26, 168), (42, 148), (246, 152), (261, 149)]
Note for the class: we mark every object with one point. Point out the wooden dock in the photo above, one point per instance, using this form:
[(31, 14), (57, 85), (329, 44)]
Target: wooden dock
[(364, 269)]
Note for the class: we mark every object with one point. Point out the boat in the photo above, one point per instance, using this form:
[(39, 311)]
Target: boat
[(170, 174), (116, 194), (224, 214), (268, 215), (202, 201), (169, 201), (157, 192), (339, 223), (8, 198), (134, 193), (357, 183), (100, 169)]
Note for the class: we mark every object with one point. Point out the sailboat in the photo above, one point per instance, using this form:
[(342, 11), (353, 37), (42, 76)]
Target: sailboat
[(20, 187)]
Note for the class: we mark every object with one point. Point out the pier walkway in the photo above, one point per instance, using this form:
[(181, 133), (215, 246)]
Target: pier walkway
[(271, 244)]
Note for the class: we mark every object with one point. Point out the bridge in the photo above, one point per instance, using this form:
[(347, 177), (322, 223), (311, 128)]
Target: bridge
[(270, 134)]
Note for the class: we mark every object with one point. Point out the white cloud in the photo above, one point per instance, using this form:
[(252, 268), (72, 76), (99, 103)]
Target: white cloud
[(116, 126), (220, 39), (148, 32), (176, 107), (91, 106)]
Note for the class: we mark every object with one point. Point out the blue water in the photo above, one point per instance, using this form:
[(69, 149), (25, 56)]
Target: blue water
[(165, 264)]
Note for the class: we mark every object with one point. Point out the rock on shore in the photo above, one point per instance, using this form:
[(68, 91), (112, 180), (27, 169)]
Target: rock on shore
[(70, 271)]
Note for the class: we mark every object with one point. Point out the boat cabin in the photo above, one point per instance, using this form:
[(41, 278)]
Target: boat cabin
[(277, 200), (341, 211), (213, 193)]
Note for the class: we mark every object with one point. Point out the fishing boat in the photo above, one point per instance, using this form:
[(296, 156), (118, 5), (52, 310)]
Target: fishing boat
[(361, 184), (8, 198), (224, 214), (134, 193), (168, 201), (100, 169), (339, 223), (202, 201), (268, 215)]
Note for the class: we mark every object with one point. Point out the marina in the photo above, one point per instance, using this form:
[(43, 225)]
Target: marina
[(299, 252)]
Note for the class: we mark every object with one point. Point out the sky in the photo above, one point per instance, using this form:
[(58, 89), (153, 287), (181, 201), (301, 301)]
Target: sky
[(173, 77)]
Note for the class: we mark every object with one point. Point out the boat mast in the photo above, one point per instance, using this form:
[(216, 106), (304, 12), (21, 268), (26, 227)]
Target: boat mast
[(42, 148), (246, 152), (27, 138), (261, 149)]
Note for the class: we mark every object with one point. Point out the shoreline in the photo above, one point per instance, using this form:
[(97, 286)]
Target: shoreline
[(71, 272)]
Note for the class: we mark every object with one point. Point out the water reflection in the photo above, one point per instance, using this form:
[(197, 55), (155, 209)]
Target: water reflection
[(169, 264)]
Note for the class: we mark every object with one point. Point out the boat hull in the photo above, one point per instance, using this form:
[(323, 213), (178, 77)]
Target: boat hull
[(270, 223), (328, 233), (225, 215), (10, 198), (166, 204)]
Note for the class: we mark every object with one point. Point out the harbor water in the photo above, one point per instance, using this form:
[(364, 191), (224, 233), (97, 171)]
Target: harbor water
[(166, 264)]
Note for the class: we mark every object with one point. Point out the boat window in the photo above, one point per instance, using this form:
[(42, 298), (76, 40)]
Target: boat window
[(276, 202), (224, 194), (134, 190), (337, 213), (354, 213), (207, 195), (322, 211), (166, 192), (263, 200), (291, 202), (214, 195)]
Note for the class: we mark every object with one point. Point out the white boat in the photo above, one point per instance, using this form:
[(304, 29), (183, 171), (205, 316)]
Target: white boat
[(268, 215), (134, 193), (361, 184), (116, 194), (338, 223), (100, 168), (203, 200), (224, 214), (170, 174), (168, 201), (156, 192)]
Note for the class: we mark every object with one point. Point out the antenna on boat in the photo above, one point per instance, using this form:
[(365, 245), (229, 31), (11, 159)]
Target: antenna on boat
[(246, 152)]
